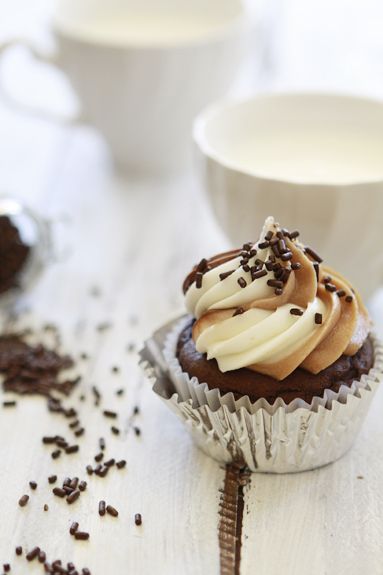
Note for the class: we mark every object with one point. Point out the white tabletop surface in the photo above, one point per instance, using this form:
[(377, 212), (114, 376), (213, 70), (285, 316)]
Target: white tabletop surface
[(135, 242)]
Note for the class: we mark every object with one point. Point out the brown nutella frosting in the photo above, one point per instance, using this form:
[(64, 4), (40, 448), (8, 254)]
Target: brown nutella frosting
[(273, 306)]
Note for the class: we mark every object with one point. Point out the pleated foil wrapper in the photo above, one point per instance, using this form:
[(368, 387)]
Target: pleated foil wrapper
[(278, 438)]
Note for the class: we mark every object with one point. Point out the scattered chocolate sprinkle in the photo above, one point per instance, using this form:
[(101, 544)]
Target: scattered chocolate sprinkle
[(115, 430), (242, 282), (74, 424), (9, 403), (318, 318), (110, 462), (293, 235), (225, 275), (340, 293), (73, 528), (296, 311), (101, 443), (111, 511), (349, 298), (14, 254), (72, 449), (19, 550), (99, 457), (296, 266), (120, 391), (121, 464), (59, 492), (137, 430), (42, 557), (31, 369), (103, 326), (89, 469), (97, 395), (82, 485), (74, 482), (269, 265), (52, 479), (327, 279), (81, 535), (263, 245), (33, 553), (73, 496), (278, 291), (33, 485), (60, 442), (23, 500), (136, 410), (79, 432), (316, 268), (246, 268), (115, 369), (6, 567), (138, 519), (330, 287), (108, 413), (101, 508), (46, 508), (313, 255), (238, 311)]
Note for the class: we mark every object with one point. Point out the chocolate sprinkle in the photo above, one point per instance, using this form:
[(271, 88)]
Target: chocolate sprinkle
[(313, 255), (33, 553), (238, 311), (138, 519), (23, 500), (81, 535), (225, 275), (349, 298), (296, 311), (101, 508), (111, 511), (318, 318), (242, 282), (198, 279), (19, 550)]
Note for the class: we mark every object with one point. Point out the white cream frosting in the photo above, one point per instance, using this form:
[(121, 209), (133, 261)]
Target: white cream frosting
[(253, 327)]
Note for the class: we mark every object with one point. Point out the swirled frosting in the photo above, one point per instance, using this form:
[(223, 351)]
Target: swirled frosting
[(273, 306)]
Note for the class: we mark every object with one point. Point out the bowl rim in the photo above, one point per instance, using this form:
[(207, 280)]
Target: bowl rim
[(233, 25), (211, 112)]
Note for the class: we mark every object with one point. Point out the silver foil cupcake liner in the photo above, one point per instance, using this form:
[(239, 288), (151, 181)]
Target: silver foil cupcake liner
[(276, 438)]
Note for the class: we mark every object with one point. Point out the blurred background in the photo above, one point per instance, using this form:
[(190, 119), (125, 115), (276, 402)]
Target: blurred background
[(289, 45), (322, 45)]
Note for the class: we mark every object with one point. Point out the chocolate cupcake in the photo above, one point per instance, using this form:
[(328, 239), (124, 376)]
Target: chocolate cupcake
[(276, 364)]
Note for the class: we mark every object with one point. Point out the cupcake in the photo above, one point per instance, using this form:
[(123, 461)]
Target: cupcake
[(275, 366)]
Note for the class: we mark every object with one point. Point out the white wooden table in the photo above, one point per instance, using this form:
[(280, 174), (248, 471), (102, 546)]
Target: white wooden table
[(135, 241)]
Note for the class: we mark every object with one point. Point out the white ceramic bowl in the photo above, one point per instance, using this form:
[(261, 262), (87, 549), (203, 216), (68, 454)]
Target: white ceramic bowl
[(314, 161)]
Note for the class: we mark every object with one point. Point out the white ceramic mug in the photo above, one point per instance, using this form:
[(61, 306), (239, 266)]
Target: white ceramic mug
[(314, 161), (142, 69)]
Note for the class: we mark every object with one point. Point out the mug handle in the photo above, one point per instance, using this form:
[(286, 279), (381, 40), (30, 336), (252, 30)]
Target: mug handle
[(23, 107)]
